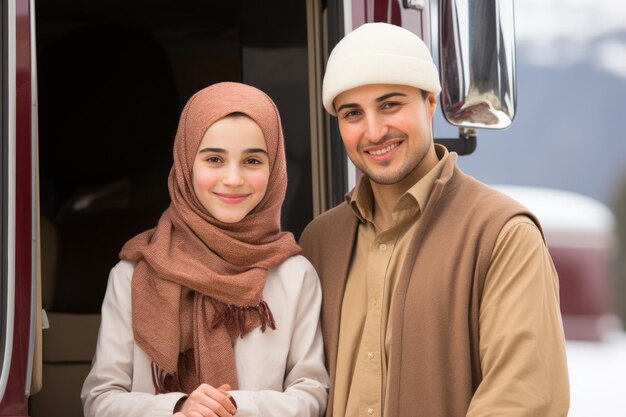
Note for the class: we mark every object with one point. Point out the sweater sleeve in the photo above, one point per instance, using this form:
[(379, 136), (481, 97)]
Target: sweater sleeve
[(107, 391), (522, 346), (305, 386)]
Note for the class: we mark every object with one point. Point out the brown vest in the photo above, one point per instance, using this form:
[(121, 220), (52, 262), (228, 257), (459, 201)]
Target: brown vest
[(434, 364)]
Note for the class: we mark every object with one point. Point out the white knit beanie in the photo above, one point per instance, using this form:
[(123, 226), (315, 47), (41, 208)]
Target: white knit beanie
[(378, 53)]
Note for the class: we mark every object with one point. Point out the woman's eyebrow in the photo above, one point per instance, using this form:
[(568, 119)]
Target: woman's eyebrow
[(222, 150), (255, 150), (214, 150)]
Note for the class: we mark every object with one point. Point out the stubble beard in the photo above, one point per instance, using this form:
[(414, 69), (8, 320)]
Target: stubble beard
[(389, 177)]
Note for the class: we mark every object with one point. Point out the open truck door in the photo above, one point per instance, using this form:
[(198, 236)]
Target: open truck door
[(111, 81)]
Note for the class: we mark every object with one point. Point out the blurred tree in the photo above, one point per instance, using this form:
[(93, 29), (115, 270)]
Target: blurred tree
[(619, 208)]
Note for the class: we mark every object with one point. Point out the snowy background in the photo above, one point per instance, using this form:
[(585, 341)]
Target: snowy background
[(571, 106), (568, 134)]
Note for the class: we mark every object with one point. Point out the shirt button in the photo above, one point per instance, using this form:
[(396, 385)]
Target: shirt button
[(370, 355), (370, 410), (382, 246)]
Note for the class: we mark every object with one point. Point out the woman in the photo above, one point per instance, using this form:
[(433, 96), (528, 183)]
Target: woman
[(214, 312)]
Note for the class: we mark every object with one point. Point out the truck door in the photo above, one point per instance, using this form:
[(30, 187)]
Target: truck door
[(17, 236)]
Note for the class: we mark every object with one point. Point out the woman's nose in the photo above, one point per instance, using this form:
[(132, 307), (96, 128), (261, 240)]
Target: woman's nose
[(233, 176)]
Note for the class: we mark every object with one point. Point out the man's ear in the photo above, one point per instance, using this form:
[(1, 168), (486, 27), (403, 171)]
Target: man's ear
[(431, 101)]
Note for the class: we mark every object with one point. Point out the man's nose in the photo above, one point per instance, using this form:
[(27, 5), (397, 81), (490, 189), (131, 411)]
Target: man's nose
[(376, 127)]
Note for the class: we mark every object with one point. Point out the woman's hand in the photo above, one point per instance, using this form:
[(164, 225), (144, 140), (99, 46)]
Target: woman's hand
[(208, 401)]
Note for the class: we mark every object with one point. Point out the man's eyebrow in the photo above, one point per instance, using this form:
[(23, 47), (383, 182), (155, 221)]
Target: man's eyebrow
[(222, 150), (389, 95), (347, 106), (378, 100)]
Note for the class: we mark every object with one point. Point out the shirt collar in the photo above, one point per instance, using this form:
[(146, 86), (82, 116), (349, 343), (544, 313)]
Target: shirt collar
[(421, 189)]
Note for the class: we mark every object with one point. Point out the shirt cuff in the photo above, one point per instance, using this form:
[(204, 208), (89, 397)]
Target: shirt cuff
[(165, 403), (246, 403)]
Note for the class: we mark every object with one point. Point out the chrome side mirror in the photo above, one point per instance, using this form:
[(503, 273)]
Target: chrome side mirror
[(477, 62)]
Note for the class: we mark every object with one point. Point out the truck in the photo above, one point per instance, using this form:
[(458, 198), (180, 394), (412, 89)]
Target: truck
[(91, 94)]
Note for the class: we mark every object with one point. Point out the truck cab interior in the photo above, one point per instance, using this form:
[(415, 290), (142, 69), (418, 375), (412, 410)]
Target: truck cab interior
[(112, 79)]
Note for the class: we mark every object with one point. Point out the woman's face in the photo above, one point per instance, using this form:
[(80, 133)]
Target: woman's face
[(231, 169)]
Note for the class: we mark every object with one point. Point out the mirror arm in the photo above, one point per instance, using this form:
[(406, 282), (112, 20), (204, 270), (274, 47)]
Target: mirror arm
[(464, 145)]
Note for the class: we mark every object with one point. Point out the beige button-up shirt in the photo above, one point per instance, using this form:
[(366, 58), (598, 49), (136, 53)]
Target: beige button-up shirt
[(365, 334)]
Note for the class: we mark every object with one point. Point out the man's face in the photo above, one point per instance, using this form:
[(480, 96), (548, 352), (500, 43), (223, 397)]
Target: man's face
[(387, 131)]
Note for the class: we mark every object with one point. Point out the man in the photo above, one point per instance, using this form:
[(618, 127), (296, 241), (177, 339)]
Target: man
[(440, 297)]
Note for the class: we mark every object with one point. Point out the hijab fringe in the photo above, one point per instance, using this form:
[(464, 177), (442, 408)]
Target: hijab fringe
[(235, 317), (165, 382)]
